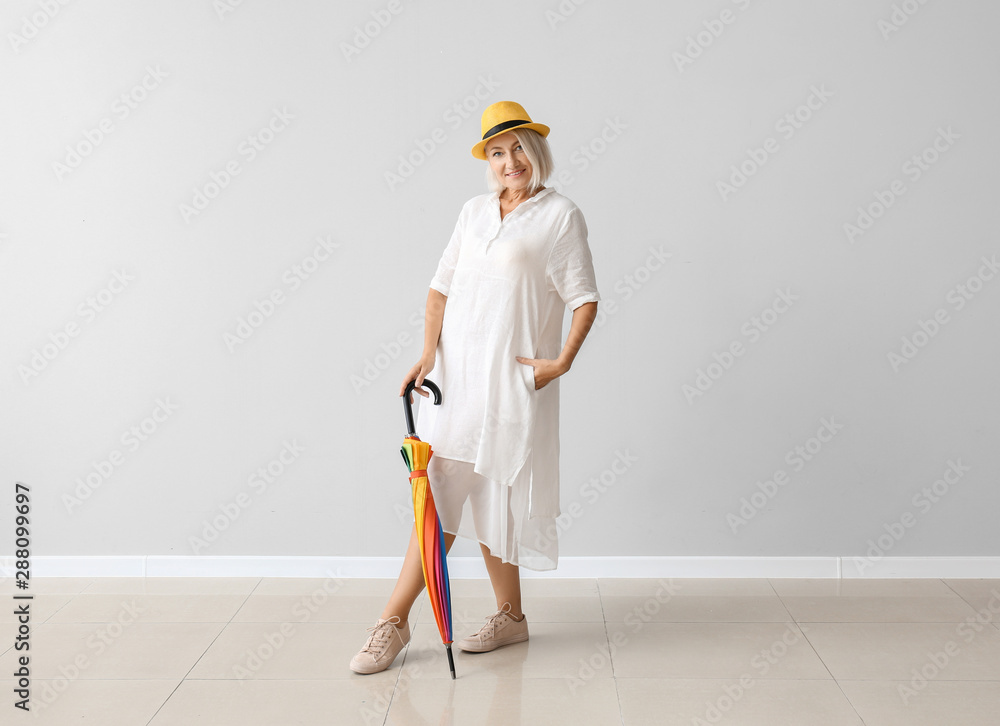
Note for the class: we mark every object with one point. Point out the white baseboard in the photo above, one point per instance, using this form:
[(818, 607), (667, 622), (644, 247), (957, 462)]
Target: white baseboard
[(473, 567)]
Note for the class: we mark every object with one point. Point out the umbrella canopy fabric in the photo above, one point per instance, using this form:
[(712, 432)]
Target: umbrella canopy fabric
[(430, 536)]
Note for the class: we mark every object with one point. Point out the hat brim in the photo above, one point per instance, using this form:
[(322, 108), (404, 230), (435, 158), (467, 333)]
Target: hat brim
[(479, 150)]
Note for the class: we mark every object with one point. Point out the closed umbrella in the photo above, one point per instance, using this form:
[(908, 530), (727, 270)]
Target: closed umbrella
[(430, 536)]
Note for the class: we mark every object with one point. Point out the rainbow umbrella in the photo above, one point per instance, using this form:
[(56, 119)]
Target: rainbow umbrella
[(430, 536)]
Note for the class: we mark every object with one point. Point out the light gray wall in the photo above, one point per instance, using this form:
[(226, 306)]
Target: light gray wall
[(662, 135)]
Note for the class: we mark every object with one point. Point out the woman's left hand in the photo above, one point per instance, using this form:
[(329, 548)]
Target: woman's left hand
[(545, 370)]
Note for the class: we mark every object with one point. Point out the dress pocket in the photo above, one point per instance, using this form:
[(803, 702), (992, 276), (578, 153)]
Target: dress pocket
[(528, 374)]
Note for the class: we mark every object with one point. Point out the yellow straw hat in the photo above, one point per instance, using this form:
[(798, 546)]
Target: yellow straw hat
[(501, 117)]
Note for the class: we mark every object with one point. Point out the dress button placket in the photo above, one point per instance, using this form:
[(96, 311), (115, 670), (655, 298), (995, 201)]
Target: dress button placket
[(496, 233)]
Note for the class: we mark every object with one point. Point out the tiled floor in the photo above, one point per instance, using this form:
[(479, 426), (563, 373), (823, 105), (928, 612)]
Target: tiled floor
[(276, 651)]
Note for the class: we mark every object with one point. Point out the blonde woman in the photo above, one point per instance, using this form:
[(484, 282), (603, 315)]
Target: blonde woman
[(518, 258)]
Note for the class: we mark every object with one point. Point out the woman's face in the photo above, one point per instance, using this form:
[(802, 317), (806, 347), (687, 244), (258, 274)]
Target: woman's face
[(509, 162)]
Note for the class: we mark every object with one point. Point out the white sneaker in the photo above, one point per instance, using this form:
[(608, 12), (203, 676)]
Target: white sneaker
[(500, 629), (382, 646)]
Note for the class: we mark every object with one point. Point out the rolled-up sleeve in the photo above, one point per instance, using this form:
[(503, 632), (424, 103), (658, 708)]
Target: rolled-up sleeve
[(570, 268), (449, 259)]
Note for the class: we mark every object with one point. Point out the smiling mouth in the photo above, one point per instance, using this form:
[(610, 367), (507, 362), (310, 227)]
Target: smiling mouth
[(516, 173)]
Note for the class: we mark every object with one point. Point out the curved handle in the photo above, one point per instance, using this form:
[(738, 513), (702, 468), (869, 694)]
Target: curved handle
[(408, 407)]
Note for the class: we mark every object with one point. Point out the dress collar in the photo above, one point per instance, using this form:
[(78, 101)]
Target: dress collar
[(539, 195)]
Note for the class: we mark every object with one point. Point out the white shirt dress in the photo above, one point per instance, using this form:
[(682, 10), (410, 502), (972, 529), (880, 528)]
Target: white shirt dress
[(509, 283)]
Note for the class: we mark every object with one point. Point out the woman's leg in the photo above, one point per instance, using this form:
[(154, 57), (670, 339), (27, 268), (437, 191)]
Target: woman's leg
[(411, 580), (506, 579)]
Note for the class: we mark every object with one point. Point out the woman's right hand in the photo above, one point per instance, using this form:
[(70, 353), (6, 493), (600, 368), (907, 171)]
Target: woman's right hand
[(419, 371)]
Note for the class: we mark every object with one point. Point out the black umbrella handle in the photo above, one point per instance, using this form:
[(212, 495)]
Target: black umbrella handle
[(408, 407)]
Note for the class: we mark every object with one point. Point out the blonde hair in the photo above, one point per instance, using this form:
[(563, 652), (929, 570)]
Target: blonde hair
[(536, 148)]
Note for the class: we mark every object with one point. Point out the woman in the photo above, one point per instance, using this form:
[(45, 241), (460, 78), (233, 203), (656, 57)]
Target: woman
[(517, 259)]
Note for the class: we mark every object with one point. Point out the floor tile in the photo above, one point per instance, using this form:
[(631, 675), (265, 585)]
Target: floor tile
[(150, 608), (553, 650), (695, 608), (713, 650), (855, 587), (132, 650), (117, 702), (548, 609), (251, 702), (982, 595), (172, 585), (497, 701), (847, 609), (925, 703), (533, 588), (892, 651), (286, 651), (606, 651), (705, 586), (750, 702), (41, 607), (329, 585), (314, 607)]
